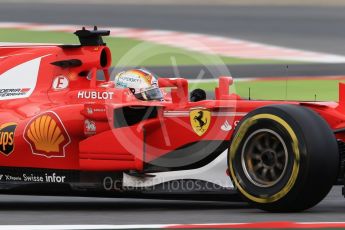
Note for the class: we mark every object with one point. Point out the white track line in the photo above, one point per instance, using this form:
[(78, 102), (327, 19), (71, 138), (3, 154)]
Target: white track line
[(302, 225), (78, 227), (209, 44)]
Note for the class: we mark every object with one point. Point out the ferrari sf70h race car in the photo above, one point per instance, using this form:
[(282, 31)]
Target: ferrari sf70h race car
[(66, 130)]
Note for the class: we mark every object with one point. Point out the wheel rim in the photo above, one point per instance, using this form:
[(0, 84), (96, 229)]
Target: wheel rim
[(264, 158)]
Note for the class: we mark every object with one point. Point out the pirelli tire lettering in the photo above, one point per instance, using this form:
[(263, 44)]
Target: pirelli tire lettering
[(283, 158)]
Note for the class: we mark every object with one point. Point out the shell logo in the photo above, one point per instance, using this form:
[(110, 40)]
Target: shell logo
[(47, 136)]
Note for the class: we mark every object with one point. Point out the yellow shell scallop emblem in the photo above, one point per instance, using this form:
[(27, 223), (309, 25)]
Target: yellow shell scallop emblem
[(47, 136)]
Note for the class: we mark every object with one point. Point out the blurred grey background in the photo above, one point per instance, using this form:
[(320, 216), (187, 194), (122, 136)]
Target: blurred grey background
[(315, 25)]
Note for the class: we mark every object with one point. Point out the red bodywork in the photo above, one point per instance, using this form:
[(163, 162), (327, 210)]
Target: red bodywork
[(68, 120)]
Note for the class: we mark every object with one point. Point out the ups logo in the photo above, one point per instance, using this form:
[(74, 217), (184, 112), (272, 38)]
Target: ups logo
[(7, 138)]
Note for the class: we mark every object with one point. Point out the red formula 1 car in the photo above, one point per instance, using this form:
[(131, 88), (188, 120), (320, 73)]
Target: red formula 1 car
[(63, 130)]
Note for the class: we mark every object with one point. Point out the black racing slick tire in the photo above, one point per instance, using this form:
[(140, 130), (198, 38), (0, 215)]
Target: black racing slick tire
[(283, 158)]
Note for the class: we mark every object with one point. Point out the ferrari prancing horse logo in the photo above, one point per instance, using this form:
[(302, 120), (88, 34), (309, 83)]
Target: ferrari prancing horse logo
[(200, 120)]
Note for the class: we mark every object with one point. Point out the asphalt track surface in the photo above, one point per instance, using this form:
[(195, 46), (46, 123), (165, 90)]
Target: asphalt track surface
[(75, 210), (313, 28), (305, 27)]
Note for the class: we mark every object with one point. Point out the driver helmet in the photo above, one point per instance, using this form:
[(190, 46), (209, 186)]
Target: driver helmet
[(142, 83)]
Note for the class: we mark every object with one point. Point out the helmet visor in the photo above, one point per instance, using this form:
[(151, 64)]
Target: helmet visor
[(150, 94)]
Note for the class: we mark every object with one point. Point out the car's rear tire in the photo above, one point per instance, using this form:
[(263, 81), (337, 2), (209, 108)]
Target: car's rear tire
[(283, 158)]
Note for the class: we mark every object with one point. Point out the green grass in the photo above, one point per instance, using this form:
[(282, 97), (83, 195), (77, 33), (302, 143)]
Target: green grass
[(130, 52), (324, 89)]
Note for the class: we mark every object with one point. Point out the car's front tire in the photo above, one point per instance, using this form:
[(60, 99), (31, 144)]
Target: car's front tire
[(283, 158)]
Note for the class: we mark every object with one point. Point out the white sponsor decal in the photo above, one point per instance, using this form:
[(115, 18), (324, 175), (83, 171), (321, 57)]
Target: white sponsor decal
[(89, 111), (53, 178), (48, 178), (32, 177), (12, 178), (20, 81), (226, 126), (95, 95), (8, 93), (60, 83), (90, 127)]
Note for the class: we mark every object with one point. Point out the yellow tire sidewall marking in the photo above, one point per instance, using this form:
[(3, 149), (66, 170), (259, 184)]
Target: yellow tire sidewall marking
[(238, 139)]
